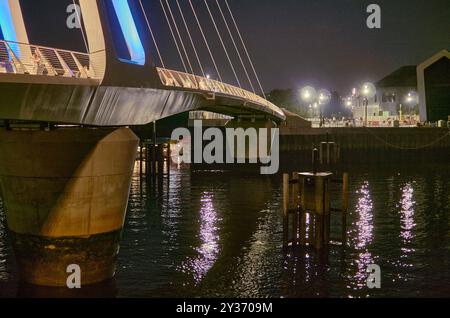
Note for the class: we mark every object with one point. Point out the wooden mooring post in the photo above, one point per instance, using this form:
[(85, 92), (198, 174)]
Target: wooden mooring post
[(307, 209)]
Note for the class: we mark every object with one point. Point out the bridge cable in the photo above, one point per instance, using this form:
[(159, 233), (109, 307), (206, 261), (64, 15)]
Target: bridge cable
[(206, 41), (180, 37), (173, 36), (77, 6), (236, 47), (190, 37), (152, 34), (223, 44), (245, 48)]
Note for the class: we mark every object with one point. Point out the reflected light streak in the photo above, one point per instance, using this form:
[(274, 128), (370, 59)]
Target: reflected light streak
[(365, 223), (3, 241), (209, 237), (364, 236), (407, 213), (407, 223)]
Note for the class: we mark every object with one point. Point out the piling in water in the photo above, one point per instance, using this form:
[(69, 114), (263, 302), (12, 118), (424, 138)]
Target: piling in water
[(307, 209)]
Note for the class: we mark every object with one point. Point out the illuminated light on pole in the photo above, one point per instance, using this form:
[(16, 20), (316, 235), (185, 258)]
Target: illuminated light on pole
[(368, 91), (412, 99), (323, 98), (308, 94), (348, 103)]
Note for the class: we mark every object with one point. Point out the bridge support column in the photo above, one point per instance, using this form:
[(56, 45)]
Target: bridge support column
[(65, 194)]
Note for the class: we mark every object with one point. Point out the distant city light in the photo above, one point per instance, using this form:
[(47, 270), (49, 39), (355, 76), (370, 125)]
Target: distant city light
[(324, 97), (412, 99), (308, 94), (348, 102), (368, 90)]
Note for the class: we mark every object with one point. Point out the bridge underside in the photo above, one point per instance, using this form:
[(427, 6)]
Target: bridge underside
[(92, 105)]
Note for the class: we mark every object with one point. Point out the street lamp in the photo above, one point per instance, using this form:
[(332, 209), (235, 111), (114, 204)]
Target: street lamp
[(308, 95), (348, 102), (324, 98), (411, 100), (368, 91)]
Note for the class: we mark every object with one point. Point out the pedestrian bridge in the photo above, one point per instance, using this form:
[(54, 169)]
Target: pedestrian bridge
[(47, 84), (65, 190)]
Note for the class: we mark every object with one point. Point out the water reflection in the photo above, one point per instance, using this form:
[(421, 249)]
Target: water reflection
[(175, 243), (407, 204), (209, 239), (364, 209), (363, 234), (407, 224), (3, 241)]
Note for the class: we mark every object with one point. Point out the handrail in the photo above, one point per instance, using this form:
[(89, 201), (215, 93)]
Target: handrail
[(173, 78), (29, 59), (50, 48), (22, 58)]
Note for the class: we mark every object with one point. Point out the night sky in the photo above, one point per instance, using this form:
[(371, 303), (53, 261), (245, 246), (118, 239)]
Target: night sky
[(324, 43)]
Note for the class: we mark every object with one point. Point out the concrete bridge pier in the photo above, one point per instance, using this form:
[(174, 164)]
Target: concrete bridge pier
[(65, 194)]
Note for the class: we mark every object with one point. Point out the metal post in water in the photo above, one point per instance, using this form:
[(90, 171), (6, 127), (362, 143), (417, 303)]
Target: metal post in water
[(295, 196), (315, 159), (154, 150), (345, 203), (285, 209)]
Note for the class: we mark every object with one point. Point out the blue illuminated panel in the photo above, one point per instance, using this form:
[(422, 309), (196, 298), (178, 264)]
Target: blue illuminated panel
[(6, 22), (7, 26), (129, 31)]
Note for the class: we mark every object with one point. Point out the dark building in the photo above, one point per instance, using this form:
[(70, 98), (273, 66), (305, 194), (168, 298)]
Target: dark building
[(393, 90), (433, 77)]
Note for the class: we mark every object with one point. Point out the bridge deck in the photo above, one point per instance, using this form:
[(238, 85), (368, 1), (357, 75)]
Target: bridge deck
[(32, 64)]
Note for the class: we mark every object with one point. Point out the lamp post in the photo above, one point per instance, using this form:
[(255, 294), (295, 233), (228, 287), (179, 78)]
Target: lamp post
[(324, 98), (411, 100), (308, 95), (368, 91)]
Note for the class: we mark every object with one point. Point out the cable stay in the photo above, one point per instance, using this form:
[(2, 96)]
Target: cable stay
[(152, 34), (245, 48), (223, 44), (77, 6), (235, 46), (173, 36), (190, 38), (205, 40), (179, 36)]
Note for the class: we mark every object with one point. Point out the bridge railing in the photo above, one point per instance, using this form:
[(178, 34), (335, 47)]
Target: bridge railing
[(20, 58), (182, 80)]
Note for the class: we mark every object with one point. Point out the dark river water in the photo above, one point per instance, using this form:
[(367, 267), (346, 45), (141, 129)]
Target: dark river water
[(219, 233)]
